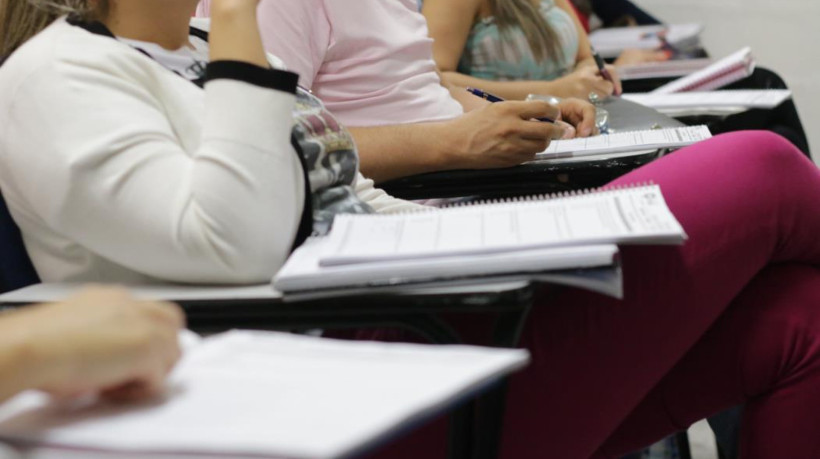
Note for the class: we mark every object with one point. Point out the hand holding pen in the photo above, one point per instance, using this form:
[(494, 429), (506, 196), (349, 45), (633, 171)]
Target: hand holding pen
[(599, 62), (578, 112)]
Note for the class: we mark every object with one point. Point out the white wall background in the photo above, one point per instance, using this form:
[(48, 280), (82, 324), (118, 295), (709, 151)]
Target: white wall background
[(784, 36)]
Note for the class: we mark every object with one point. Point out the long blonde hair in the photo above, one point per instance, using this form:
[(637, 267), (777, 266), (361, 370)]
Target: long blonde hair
[(526, 16), (22, 19)]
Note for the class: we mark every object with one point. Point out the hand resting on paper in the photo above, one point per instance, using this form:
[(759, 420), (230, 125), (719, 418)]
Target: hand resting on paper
[(100, 341)]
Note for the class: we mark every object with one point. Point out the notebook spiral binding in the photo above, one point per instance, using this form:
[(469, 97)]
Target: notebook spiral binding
[(530, 199), (550, 196)]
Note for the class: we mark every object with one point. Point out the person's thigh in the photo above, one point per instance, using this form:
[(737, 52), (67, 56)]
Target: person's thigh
[(745, 200)]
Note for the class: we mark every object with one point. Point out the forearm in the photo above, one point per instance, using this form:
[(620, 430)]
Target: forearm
[(389, 152), (514, 90), (468, 101)]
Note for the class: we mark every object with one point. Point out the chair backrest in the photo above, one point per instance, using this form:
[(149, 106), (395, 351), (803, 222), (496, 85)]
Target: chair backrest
[(16, 269)]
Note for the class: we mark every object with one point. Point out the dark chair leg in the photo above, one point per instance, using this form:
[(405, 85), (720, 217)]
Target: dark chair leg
[(726, 426), (684, 451)]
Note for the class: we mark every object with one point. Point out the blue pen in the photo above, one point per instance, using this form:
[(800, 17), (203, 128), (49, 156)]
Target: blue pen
[(493, 99)]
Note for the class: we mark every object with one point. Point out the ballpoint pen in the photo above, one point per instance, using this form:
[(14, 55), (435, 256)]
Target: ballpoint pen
[(599, 61), (493, 99)]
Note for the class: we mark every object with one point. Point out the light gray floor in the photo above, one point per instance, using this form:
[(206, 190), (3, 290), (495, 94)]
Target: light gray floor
[(784, 36)]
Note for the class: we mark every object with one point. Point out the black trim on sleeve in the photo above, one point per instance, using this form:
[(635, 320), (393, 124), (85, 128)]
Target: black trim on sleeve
[(253, 74), (199, 33)]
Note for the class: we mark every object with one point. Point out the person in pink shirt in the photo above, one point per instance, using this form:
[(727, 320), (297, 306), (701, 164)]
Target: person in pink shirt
[(371, 63)]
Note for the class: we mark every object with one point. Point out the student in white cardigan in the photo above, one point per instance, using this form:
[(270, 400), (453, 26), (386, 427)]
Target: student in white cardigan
[(195, 185)]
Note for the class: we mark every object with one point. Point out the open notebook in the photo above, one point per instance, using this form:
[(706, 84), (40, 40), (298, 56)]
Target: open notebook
[(628, 141), (726, 71), (265, 394), (712, 102), (524, 238)]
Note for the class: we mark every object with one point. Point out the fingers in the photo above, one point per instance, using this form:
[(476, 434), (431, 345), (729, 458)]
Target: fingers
[(580, 114), (539, 130), (531, 109), (616, 79), (569, 130)]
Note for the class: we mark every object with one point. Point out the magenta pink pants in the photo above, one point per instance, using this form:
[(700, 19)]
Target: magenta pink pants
[(731, 317)]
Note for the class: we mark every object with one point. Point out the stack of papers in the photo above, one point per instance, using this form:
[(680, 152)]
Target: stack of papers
[(711, 102), (270, 395), (520, 240)]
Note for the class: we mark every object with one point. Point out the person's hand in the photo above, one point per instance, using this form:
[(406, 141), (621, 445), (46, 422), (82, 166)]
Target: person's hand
[(100, 341), (616, 79), (504, 134), (641, 56), (581, 115), (584, 81)]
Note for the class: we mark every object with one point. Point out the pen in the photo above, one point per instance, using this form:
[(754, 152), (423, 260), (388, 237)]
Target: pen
[(493, 99), (599, 61)]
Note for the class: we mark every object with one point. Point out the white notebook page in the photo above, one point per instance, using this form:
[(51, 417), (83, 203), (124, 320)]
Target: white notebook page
[(628, 215), (270, 394), (620, 142)]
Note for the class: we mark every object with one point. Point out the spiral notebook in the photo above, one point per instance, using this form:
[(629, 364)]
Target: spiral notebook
[(523, 239), (722, 73)]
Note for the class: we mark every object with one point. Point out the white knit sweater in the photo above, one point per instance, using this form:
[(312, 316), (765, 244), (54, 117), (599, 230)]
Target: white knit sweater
[(117, 170)]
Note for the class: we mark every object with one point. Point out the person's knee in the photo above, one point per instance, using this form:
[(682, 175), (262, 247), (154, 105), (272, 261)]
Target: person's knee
[(766, 149)]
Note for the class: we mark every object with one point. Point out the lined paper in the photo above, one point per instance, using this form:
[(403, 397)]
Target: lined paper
[(622, 142)]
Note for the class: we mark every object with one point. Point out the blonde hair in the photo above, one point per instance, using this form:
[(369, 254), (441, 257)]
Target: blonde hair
[(526, 16), (22, 19)]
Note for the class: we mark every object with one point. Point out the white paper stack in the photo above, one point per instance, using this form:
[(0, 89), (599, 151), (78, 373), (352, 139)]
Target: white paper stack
[(712, 102), (525, 240)]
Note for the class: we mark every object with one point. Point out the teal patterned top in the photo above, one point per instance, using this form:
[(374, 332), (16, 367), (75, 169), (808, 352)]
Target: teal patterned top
[(486, 55)]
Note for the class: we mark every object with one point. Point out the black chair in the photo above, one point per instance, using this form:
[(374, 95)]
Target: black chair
[(16, 269)]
